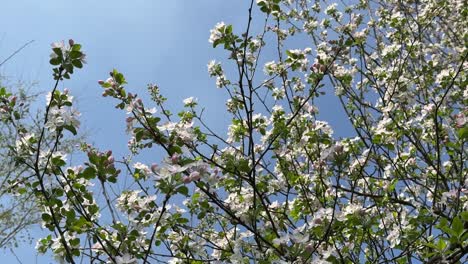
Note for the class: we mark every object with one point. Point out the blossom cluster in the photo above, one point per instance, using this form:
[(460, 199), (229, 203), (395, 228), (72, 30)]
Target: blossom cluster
[(282, 184)]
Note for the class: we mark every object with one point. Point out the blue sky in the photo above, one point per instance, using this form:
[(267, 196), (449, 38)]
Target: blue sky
[(151, 41), (162, 42)]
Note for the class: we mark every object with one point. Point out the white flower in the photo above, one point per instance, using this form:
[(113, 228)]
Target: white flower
[(24, 144), (125, 259), (394, 237), (169, 126), (71, 118), (217, 32), (214, 68), (144, 170), (59, 45), (151, 110), (131, 202), (221, 81), (310, 25), (270, 68), (190, 101), (59, 117), (277, 108), (278, 93), (460, 120), (353, 209), (48, 97), (331, 9), (283, 240)]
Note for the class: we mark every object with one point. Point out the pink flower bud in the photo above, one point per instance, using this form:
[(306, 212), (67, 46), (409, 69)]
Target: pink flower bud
[(460, 120), (317, 221), (110, 159), (129, 120), (186, 179), (154, 168), (175, 158), (109, 153), (195, 175), (101, 82), (71, 42), (309, 247), (323, 68), (139, 103)]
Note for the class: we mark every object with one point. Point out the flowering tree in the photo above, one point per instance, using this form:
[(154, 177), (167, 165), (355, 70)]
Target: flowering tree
[(280, 187), (18, 208), (19, 212)]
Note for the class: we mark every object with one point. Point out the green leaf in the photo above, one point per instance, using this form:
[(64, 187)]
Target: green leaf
[(464, 216), (75, 242), (119, 78), (89, 173), (75, 54), (183, 190), (463, 133), (217, 42), (457, 226), (139, 133), (228, 30), (182, 220), (77, 63), (57, 161), (201, 215), (71, 128), (55, 61), (76, 47), (46, 217), (58, 51)]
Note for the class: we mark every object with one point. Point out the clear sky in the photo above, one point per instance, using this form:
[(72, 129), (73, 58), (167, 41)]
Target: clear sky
[(150, 41)]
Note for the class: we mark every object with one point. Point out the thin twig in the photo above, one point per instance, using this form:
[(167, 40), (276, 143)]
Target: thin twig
[(16, 52)]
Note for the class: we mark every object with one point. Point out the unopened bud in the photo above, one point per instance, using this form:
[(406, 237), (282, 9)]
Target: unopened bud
[(175, 158), (317, 221), (195, 175), (309, 247), (186, 179), (323, 68), (154, 168)]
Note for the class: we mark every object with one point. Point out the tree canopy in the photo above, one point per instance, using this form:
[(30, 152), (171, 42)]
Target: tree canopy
[(280, 187)]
